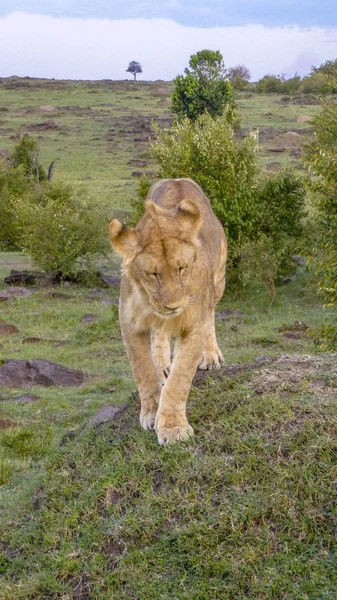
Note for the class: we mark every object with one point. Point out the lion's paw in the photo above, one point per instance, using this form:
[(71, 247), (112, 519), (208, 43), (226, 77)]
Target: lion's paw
[(211, 359), (170, 435), (147, 420)]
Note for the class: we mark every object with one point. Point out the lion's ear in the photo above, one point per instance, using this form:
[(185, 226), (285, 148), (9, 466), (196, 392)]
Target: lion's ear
[(189, 216), (124, 239)]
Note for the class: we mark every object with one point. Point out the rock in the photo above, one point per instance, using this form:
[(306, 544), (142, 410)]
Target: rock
[(27, 373), (68, 436), (15, 292), (8, 329), (89, 318), (95, 294), (136, 173), (33, 340), (261, 358), (293, 335), (24, 277), (110, 280), (111, 301), (25, 398), (295, 326), (60, 343), (276, 149), (108, 413), (303, 119), (57, 296)]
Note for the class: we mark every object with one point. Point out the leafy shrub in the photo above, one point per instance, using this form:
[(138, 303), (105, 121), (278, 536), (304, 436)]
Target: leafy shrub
[(321, 155), (269, 84), (274, 84), (26, 154), (13, 185), (264, 212), (203, 88), (62, 230), (317, 83), (225, 168)]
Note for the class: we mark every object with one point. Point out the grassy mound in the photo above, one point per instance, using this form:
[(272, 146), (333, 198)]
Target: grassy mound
[(247, 509)]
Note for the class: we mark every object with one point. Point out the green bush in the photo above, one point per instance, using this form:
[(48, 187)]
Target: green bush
[(273, 84), (269, 84), (321, 156), (259, 215), (316, 83), (62, 230), (13, 185), (225, 168), (203, 88), (26, 154)]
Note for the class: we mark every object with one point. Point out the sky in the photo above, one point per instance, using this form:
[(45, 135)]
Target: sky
[(96, 39)]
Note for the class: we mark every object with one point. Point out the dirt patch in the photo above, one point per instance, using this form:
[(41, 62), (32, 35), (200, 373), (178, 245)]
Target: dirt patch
[(287, 374), (303, 119), (45, 126), (43, 109), (8, 329)]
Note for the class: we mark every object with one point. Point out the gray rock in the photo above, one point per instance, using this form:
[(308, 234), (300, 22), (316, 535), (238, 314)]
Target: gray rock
[(28, 373), (107, 413)]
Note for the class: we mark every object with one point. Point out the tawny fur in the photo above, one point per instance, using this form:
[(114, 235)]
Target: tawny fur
[(173, 275)]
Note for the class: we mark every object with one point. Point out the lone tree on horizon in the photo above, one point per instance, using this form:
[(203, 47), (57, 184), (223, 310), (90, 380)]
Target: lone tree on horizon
[(134, 68)]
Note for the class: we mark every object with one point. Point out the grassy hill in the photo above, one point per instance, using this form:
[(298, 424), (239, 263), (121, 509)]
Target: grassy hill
[(98, 131), (244, 510)]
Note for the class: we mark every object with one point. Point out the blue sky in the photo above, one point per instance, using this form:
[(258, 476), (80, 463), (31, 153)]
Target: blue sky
[(195, 13)]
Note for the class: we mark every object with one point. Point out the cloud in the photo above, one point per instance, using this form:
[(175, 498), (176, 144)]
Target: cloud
[(41, 46), (304, 13)]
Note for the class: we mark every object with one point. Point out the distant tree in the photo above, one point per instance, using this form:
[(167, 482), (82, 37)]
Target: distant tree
[(203, 88), (134, 68), (239, 76), (270, 84)]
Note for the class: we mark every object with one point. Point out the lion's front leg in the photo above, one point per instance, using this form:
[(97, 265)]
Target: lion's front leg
[(171, 421), (212, 357), (161, 352), (138, 349)]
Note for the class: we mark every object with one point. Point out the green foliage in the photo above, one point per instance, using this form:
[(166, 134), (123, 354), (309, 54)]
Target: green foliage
[(329, 70), (225, 168), (317, 83), (13, 184), (321, 155), (62, 230), (269, 84), (204, 88), (258, 261), (275, 84), (26, 154), (261, 217)]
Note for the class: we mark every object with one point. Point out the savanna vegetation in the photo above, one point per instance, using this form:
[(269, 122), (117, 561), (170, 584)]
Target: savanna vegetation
[(99, 511)]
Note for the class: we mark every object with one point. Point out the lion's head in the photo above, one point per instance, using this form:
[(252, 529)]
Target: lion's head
[(160, 253)]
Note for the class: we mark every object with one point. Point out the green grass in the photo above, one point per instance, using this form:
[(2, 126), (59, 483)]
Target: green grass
[(245, 510), (102, 126)]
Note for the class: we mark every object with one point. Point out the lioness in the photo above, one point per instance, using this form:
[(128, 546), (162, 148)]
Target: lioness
[(173, 275)]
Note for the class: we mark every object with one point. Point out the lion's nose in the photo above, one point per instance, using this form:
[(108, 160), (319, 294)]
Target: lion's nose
[(171, 306)]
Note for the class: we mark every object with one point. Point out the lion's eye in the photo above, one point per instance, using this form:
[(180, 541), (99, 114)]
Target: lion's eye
[(156, 275), (181, 269)]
